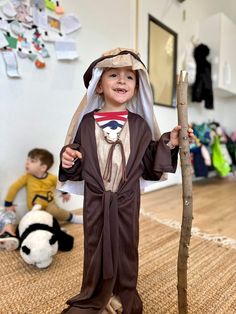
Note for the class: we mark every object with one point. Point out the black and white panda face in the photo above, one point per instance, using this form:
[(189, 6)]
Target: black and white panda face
[(38, 248)]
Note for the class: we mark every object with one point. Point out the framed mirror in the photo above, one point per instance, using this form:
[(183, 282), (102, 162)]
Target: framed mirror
[(162, 58)]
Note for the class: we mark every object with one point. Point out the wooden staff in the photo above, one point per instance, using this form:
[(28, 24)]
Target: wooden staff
[(182, 87)]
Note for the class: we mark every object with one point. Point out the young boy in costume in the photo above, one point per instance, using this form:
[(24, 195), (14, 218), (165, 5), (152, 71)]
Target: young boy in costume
[(112, 142), (40, 186)]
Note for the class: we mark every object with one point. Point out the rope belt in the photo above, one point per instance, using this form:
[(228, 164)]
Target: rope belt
[(108, 169)]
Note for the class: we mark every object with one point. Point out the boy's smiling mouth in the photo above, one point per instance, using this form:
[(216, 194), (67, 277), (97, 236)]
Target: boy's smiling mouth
[(120, 90)]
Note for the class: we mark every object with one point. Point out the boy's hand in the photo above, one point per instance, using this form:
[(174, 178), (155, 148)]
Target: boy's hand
[(65, 197), (10, 208), (69, 156), (174, 135)]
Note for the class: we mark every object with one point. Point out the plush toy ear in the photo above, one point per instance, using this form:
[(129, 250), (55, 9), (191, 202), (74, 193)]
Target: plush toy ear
[(65, 241), (25, 249), (53, 239), (17, 232)]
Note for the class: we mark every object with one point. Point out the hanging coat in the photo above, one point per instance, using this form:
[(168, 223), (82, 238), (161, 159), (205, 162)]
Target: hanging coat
[(202, 87), (111, 219)]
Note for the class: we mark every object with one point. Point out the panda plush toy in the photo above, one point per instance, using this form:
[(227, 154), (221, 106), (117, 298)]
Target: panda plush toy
[(41, 237)]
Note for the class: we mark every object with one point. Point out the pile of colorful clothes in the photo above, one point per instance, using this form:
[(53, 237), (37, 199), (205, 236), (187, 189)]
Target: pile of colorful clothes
[(213, 149)]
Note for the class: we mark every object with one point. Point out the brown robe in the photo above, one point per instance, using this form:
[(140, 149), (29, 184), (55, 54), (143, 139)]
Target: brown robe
[(111, 219)]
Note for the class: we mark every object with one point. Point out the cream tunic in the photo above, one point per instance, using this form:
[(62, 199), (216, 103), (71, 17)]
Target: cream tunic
[(103, 149)]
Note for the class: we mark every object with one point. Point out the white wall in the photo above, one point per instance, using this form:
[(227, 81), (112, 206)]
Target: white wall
[(35, 111)]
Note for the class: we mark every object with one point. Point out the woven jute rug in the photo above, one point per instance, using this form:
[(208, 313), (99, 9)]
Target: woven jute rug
[(25, 289)]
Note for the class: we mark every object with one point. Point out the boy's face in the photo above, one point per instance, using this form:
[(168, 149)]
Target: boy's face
[(118, 86), (35, 167)]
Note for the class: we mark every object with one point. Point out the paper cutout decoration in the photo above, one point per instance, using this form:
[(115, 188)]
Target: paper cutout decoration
[(69, 24), (17, 28), (9, 10), (23, 14), (54, 23), (40, 64), (4, 25), (3, 40), (59, 9), (44, 52), (12, 41), (51, 37), (66, 49), (10, 60), (23, 42), (40, 18), (39, 4), (22, 53), (50, 5)]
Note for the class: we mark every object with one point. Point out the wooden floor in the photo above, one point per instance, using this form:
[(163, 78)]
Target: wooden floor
[(214, 205)]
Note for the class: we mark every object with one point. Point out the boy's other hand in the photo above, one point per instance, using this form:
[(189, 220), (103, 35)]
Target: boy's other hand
[(65, 197)]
